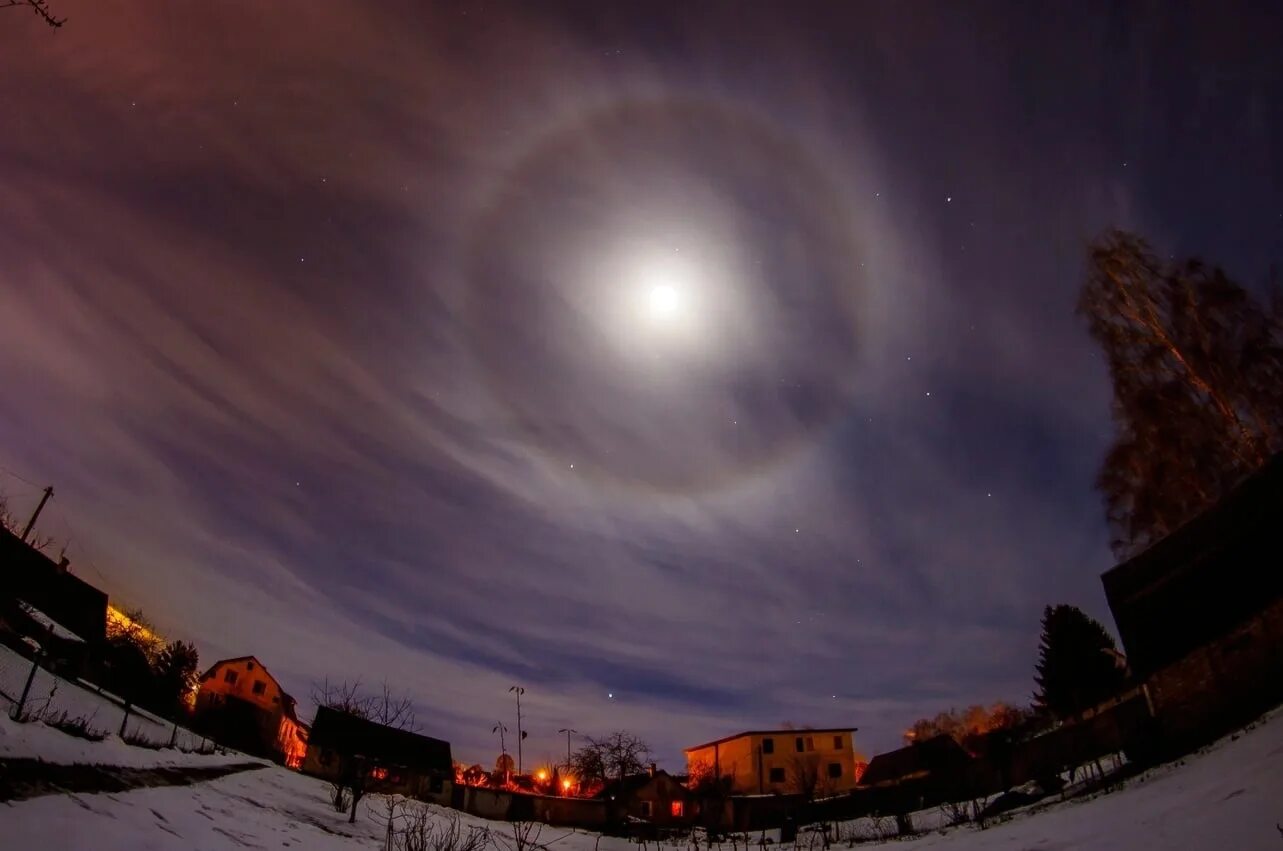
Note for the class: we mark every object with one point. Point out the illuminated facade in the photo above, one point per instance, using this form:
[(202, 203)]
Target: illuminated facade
[(782, 761), (241, 705)]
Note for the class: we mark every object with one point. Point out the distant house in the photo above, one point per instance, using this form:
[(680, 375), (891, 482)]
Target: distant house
[(927, 760), (1200, 613), (242, 706), (655, 797), (48, 586), (390, 760), (918, 775), (782, 761)]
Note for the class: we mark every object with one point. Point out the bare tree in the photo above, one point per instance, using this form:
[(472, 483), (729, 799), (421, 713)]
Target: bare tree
[(804, 775), (1196, 364), (40, 7), (611, 757), (383, 708)]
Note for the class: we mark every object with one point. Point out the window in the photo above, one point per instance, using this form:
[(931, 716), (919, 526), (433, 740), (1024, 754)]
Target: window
[(438, 783), (797, 743), (810, 743), (229, 676), (249, 666), (768, 746), (259, 687), (378, 774), (678, 809), (837, 743), (835, 770), (645, 808), (777, 775)]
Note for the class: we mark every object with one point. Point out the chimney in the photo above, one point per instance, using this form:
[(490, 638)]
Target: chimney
[(652, 769)]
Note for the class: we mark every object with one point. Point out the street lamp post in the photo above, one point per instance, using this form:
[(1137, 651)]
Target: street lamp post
[(518, 691), (567, 731)]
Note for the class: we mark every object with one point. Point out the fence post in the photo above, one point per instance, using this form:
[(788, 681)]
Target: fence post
[(173, 737), (26, 689), (125, 720)]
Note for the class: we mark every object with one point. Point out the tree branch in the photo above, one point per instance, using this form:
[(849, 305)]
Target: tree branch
[(40, 7)]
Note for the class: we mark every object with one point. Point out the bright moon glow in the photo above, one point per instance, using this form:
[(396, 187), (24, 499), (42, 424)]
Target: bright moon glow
[(666, 308), (664, 301)]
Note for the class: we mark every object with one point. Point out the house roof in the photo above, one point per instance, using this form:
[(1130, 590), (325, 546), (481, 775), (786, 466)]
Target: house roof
[(353, 736), (1203, 579), (29, 575), (919, 759), (631, 784), (287, 701), (805, 732)]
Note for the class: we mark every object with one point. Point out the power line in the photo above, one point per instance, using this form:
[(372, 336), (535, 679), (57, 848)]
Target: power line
[(19, 477)]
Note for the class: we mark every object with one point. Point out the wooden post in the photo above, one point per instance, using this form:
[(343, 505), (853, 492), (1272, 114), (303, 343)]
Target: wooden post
[(26, 689), (125, 720), (36, 514)]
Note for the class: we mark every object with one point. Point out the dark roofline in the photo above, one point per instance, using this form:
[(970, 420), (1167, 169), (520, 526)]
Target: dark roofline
[(288, 700), (1148, 568), (725, 739)]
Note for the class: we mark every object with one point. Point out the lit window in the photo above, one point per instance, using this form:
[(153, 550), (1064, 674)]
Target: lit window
[(379, 773), (230, 676), (678, 809), (768, 746), (259, 687)]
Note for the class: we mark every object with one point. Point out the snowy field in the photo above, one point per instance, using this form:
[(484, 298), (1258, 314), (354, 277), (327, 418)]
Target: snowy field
[(52, 696), (1228, 797)]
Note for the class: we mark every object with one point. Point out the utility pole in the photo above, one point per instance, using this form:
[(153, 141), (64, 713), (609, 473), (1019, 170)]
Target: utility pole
[(34, 516), (519, 691), (567, 731)]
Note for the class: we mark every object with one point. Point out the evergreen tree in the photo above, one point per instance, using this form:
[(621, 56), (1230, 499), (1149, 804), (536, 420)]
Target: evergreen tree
[(1197, 369), (1077, 662), (175, 676)]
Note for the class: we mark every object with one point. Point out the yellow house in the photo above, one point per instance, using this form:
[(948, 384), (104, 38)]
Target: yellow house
[(811, 762), (241, 705)]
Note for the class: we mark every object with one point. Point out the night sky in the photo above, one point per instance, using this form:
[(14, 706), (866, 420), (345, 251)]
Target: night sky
[(697, 368)]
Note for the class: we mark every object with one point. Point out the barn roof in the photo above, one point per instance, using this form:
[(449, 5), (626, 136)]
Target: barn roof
[(1204, 578), (937, 754), (353, 736)]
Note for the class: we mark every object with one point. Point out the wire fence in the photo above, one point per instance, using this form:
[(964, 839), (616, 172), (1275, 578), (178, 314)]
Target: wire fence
[(34, 693)]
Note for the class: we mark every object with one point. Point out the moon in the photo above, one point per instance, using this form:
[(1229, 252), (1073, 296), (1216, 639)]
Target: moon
[(664, 301)]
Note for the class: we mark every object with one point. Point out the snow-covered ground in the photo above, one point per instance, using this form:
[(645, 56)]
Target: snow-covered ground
[(34, 739), (53, 696), (1228, 797)]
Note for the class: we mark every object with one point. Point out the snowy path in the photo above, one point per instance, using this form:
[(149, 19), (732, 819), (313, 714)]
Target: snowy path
[(29, 778)]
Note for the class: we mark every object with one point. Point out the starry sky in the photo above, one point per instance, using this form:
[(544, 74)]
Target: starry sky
[(334, 327)]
